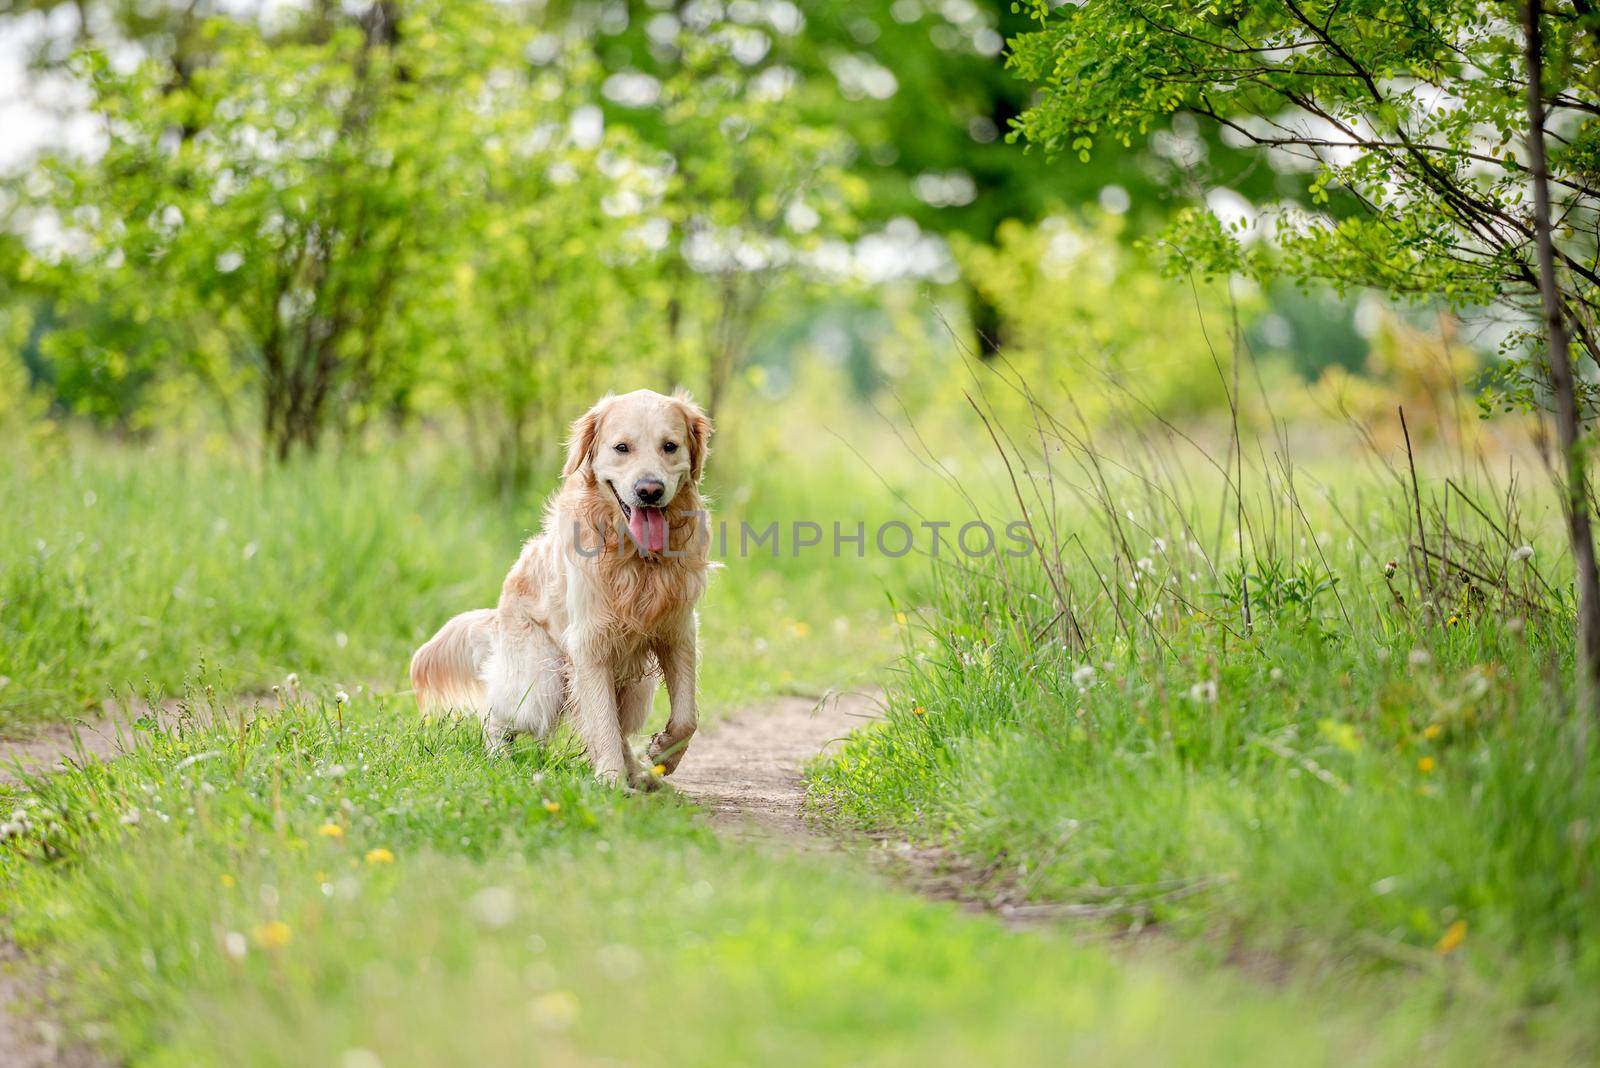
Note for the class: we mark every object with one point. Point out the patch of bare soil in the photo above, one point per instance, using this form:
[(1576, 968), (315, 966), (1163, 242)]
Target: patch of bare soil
[(28, 1037), (747, 770), (54, 745), (114, 731)]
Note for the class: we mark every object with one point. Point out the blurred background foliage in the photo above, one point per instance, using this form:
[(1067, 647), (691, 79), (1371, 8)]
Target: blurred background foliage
[(290, 224)]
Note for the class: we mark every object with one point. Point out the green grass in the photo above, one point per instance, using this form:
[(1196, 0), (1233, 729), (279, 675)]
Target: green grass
[(194, 912), (130, 567), (1355, 785), (215, 899)]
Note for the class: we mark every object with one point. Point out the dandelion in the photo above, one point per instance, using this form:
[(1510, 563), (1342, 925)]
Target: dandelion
[(1390, 568), (225, 879), (1522, 554), (1452, 938), (552, 807), (292, 680), (331, 830), (919, 711), (1275, 674), (273, 935), (1432, 731), (658, 770), (555, 1011), (341, 697), (1084, 675), (900, 618), (1426, 765), (1204, 691), (379, 856)]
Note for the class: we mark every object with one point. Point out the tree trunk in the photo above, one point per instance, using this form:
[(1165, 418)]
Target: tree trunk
[(986, 323), (1562, 383)]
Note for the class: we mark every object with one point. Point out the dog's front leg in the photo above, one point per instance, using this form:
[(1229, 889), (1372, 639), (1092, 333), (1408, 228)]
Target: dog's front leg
[(595, 702), (677, 660)]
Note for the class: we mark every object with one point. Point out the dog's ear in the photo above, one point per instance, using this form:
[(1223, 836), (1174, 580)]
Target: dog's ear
[(699, 425), (580, 447)]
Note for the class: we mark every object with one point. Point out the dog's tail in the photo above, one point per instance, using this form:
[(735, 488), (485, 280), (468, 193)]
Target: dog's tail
[(444, 672)]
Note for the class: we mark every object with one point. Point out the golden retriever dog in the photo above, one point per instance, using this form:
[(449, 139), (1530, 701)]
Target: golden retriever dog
[(599, 602)]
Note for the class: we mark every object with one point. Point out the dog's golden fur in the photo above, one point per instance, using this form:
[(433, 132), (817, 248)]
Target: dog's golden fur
[(587, 616)]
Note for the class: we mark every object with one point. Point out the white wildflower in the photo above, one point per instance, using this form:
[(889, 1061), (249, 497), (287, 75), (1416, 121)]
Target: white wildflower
[(1084, 675), (235, 944), (1523, 553), (1420, 658), (129, 818), (493, 906), (1204, 691), (291, 680), (341, 697)]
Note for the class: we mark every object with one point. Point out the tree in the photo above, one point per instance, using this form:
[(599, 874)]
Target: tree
[(266, 209), (1413, 122), (1568, 426)]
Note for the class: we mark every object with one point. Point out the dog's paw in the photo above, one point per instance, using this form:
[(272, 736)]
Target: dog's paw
[(667, 749), (616, 778), (645, 781)]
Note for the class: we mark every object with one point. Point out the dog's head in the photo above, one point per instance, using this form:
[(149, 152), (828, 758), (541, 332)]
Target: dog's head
[(641, 449)]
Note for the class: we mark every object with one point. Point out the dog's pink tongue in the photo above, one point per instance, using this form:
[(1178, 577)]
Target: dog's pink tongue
[(649, 528)]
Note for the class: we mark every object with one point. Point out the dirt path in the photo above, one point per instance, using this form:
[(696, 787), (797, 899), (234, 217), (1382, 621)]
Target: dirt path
[(100, 737), (747, 770), (56, 743)]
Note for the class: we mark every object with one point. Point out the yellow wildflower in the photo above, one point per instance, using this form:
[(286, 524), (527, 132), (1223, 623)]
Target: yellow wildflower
[(801, 628), (273, 935), (379, 856), (1426, 765), (552, 806), (1432, 731), (900, 618), (1452, 621), (331, 830), (658, 770), (1452, 938), (227, 880), (919, 711)]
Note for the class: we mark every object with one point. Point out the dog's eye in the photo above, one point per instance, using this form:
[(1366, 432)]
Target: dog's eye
[(621, 446), (671, 446)]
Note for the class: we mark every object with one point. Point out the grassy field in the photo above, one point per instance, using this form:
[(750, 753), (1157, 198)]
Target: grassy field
[(373, 891), (145, 569), (1373, 771), (1395, 844)]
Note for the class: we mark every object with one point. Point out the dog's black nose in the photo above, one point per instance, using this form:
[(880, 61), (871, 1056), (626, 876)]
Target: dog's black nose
[(649, 490)]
